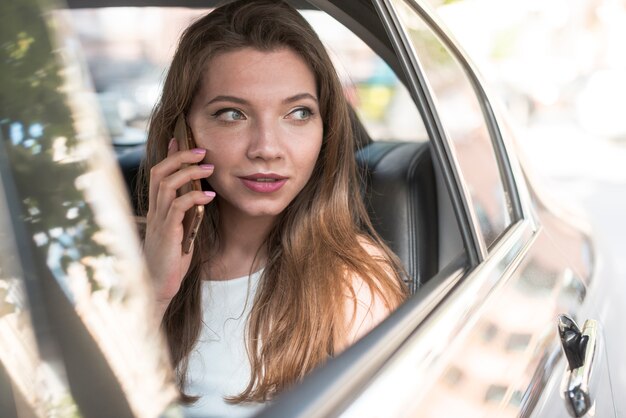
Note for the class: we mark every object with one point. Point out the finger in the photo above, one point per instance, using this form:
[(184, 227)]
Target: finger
[(176, 161), (172, 163), (185, 175), (169, 186), (172, 146), (182, 204)]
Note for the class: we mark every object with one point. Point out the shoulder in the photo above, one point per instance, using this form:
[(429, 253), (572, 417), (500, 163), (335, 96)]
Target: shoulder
[(370, 247), (364, 309), (364, 304)]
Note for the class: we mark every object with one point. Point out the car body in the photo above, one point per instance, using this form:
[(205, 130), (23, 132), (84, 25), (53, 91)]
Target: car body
[(493, 262)]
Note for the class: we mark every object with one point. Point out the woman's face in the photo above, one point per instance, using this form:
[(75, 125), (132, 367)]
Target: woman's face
[(257, 114)]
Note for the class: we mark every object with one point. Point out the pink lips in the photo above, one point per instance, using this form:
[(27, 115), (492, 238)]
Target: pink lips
[(264, 182)]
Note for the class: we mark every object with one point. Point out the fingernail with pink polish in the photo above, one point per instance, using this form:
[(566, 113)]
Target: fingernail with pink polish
[(171, 143), (206, 166), (198, 150), (209, 193)]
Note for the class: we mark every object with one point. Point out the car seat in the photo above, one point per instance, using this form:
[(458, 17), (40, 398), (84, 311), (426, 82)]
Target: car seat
[(400, 193)]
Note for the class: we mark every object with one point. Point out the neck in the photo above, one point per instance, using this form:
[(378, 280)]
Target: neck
[(241, 245)]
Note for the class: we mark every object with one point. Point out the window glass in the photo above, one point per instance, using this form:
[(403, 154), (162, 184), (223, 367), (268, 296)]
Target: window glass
[(68, 209), (127, 51), (382, 102), (38, 384), (464, 123)]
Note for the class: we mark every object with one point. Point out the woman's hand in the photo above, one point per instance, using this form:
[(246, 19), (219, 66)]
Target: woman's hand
[(164, 230)]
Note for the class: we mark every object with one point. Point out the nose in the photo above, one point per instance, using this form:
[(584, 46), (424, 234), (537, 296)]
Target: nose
[(265, 142)]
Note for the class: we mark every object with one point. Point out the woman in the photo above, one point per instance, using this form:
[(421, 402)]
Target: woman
[(287, 270)]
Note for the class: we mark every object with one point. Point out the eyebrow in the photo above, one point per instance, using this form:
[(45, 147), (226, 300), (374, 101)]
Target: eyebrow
[(234, 99), (300, 97), (231, 99)]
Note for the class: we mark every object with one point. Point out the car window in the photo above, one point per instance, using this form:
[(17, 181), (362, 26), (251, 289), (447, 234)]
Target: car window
[(464, 123), (382, 102), (70, 221)]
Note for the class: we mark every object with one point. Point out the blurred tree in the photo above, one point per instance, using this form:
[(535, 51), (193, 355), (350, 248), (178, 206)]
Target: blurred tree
[(38, 134)]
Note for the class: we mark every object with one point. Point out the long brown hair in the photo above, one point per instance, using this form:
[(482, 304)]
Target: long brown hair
[(316, 247)]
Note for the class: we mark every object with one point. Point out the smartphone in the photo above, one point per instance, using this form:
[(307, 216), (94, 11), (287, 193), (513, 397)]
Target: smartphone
[(193, 217)]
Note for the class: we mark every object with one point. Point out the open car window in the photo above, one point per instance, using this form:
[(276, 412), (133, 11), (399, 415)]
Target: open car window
[(128, 51)]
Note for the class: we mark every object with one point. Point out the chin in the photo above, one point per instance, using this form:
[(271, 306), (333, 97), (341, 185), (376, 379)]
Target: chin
[(262, 211)]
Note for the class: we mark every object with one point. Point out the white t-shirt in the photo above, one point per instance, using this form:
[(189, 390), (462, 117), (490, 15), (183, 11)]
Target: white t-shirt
[(218, 364)]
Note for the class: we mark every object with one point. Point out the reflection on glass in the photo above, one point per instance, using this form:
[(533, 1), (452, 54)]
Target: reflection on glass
[(39, 383), (496, 366), (501, 368), (464, 123), (381, 101), (74, 203)]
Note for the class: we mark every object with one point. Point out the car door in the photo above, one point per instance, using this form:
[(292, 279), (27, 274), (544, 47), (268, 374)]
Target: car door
[(502, 358), (480, 339)]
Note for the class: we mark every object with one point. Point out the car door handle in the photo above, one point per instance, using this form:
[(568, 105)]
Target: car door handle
[(581, 348)]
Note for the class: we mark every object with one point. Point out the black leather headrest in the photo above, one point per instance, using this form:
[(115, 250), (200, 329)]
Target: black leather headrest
[(401, 196)]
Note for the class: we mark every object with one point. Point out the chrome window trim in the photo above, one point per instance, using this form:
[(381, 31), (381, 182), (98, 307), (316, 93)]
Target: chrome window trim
[(517, 173), (420, 89), (518, 209), (479, 84)]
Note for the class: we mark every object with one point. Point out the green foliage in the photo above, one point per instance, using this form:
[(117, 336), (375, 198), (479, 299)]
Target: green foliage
[(65, 408), (35, 122)]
